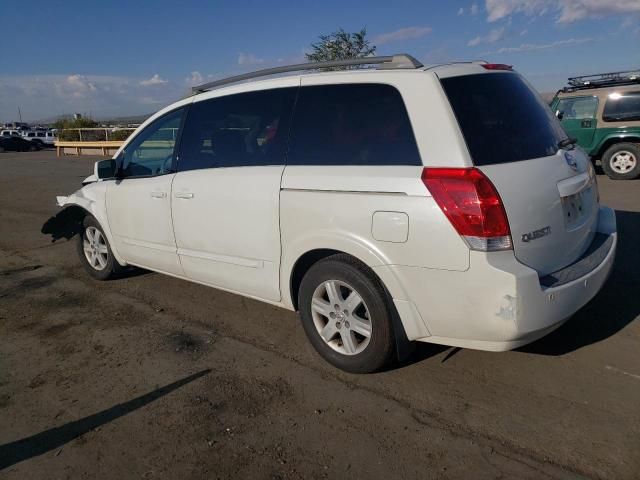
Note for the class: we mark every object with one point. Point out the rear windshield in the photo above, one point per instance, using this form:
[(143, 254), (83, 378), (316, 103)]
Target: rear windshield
[(502, 119)]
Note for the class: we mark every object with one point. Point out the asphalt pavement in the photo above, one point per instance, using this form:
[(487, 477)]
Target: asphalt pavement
[(154, 377)]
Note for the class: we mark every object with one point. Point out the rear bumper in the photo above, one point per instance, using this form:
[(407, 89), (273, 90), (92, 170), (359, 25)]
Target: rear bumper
[(498, 303)]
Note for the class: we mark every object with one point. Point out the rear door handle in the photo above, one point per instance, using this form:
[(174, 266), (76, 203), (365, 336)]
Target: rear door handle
[(184, 195), (159, 194)]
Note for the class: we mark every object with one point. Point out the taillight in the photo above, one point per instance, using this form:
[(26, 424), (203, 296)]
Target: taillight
[(496, 66), (472, 205)]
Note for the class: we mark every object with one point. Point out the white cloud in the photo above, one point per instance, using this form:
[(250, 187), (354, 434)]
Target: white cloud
[(42, 97), (530, 47), (474, 9), (460, 11), (155, 80), (566, 11), (76, 85), (406, 33), (492, 37), (524, 32), (249, 59), (194, 79)]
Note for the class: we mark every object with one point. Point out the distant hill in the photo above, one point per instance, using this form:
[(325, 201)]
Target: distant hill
[(547, 96), (124, 120)]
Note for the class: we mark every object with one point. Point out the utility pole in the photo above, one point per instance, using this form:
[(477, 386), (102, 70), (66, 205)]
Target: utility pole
[(20, 114)]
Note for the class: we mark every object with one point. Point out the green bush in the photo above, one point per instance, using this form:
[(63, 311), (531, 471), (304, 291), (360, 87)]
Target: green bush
[(75, 123), (119, 134), (93, 135)]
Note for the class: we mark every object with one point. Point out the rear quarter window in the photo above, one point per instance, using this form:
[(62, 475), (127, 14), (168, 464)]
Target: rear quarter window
[(351, 124), (622, 107), (502, 119)]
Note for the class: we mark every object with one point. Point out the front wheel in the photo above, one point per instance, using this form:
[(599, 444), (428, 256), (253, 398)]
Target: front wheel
[(345, 314), (622, 161), (95, 252)]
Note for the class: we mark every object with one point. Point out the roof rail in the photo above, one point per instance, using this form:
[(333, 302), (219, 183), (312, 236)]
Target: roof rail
[(628, 77), (399, 61)]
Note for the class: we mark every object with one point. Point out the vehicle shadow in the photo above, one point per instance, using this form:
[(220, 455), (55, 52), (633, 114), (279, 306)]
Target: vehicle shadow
[(610, 311), (20, 450), (66, 224)]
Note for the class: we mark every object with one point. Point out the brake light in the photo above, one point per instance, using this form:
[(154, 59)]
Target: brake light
[(496, 66), (472, 204)]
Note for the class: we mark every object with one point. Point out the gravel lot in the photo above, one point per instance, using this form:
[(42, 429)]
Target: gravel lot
[(153, 377)]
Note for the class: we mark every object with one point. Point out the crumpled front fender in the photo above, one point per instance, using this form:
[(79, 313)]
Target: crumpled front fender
[(91, 199)]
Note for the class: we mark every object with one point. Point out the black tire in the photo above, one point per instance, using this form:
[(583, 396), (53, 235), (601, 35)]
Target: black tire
[(1, 149), (111, 269), (352, 275), (611, 161)]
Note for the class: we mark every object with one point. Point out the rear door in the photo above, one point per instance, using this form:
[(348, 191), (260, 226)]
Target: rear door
[(226, 194), (549, 194)]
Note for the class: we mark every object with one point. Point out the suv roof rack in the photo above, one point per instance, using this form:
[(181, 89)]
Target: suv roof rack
[(399, 61), (598, 80)]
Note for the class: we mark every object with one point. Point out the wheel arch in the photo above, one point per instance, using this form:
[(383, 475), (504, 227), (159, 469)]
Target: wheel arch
[(305, 261), (82, 202), (302, 266), (611, 140)]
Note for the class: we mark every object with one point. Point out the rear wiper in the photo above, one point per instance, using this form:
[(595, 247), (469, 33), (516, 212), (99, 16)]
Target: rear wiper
[(567, 142)]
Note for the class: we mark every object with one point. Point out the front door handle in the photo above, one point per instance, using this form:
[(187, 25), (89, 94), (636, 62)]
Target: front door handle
[(159, 194), (184, 195)]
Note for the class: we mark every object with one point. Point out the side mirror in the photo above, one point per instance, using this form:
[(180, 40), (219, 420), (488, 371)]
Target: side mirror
[(559, 114), (105, 169)]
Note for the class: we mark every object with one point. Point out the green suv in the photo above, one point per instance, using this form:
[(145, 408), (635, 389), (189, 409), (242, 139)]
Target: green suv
[(602, 113)]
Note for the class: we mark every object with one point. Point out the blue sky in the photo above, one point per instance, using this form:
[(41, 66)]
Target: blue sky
[(133, 57)]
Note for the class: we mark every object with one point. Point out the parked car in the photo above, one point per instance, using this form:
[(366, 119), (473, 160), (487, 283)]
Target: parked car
[(42, 137), (10, 133), (602, 112), (17, 144), (441, 204)]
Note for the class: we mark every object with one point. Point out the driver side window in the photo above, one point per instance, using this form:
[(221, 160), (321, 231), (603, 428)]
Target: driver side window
[(151, 152), (579, 108)]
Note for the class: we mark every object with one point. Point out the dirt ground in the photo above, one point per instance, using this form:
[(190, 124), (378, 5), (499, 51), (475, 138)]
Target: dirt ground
[(153, 377)]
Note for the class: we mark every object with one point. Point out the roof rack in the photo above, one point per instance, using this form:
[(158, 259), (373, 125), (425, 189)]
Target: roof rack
[(603, 80), (399, 61)]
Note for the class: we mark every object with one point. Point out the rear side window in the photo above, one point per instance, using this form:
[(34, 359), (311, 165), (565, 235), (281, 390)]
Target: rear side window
[(622, 107), (354, 124), (247, 129), (502, 119)]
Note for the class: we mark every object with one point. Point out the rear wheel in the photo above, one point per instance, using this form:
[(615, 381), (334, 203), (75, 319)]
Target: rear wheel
[(622, 161), (345, 314), (95, 252), (33, 147)]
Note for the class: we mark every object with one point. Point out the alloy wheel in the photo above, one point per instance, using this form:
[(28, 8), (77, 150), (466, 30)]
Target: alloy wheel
[(95, 248), (623, 162), (341, 317)]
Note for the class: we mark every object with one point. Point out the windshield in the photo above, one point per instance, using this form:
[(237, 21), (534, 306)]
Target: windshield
[(502, 119)]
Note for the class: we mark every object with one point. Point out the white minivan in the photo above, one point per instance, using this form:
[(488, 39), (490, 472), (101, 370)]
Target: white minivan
[(386, 205)]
